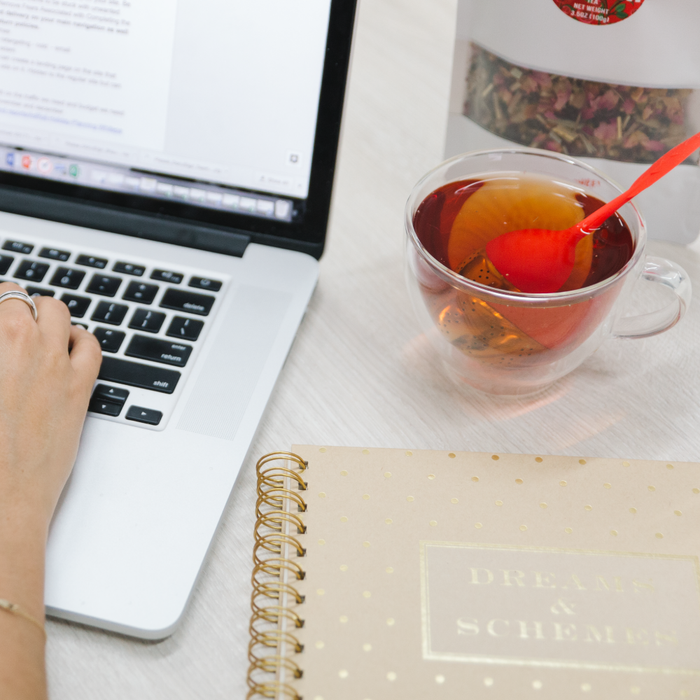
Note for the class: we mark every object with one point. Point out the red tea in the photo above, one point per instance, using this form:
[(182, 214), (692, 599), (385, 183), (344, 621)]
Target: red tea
[(455, 222)]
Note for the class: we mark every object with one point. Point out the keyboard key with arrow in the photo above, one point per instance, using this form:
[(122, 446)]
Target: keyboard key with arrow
[(144, 415)]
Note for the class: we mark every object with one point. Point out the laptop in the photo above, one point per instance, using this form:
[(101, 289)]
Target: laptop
[(166, 169)]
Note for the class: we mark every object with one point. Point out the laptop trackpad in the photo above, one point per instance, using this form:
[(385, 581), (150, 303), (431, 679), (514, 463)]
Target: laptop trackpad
[(237, 357)]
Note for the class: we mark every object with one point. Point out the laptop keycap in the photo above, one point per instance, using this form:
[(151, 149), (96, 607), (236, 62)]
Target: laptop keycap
[(76, 305), (31, 270), (184, 300), (54, 254), (91, 261), (185, 328), (110, 340), (18, 247), (108, 312), (156, 360), (144, 415), (106, 408), (141, 292), (104, 392), (135, 374), (129, 268), (205, 283), (39, 291), (145, 320), (67, 277), (104, 285), (167, 276), (158, 350)]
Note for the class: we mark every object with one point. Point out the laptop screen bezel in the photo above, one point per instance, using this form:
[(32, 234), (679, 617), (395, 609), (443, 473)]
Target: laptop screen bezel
[(101, 209)]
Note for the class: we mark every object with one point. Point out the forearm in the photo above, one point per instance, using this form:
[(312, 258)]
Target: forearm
[(47, 370), (22, 548)]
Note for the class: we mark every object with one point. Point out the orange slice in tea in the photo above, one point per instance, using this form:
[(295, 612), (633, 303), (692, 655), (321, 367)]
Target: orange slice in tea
[(508, 203)]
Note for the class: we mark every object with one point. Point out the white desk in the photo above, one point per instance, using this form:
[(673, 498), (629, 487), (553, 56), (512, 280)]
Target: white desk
[(360, 374)]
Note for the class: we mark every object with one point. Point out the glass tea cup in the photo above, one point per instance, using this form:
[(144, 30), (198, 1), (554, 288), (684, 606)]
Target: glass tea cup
[(515, 343)]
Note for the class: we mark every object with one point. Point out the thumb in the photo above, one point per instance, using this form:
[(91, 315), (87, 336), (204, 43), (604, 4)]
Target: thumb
[(85, 356)]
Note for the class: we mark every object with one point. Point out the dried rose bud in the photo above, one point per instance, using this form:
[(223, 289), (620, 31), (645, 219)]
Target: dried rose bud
[(572, 115)]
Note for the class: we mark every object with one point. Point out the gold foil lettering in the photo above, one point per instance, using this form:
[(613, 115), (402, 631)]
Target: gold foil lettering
[(564, 632), (661, 638), (641, 637), (593, 634), (513, 575), (543, 580), (601, 580), (576, 581), (561, 606), (597, 630), (468, 627), (640, 586), (475, 575), (538, 633), (491, 628)]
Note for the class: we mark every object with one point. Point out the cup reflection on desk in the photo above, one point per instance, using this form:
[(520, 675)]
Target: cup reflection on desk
[(500, 340)]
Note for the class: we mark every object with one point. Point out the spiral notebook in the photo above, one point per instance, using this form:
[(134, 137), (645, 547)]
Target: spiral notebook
[(392, 574)]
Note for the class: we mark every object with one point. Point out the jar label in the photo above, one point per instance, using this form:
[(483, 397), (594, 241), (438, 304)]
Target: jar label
[(599, 11)]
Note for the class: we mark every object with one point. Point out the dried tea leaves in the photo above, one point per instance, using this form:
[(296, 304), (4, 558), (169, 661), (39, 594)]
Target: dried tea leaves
[(571, 115)]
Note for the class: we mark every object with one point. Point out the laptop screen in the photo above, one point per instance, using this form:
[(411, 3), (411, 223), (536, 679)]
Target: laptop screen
[(203, 109)]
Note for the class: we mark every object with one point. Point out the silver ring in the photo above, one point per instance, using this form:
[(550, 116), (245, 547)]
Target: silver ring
[(22, 296)]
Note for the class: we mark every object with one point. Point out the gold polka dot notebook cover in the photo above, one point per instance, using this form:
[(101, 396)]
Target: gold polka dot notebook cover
[(385, 574)]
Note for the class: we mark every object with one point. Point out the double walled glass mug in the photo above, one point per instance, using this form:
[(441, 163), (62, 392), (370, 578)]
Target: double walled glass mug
[(501, 340)]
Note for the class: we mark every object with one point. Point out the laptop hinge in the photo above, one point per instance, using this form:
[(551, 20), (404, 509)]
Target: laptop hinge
[(116, 220)]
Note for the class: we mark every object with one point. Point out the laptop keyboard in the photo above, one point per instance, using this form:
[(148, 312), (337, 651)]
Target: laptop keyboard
[(148, 320)]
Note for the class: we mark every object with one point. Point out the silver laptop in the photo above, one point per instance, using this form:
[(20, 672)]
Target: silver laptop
[(166, 169)]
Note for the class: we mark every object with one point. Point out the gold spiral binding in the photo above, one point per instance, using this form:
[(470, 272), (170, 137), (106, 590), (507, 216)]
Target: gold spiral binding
[(276, 543), (275, 498), (274, 567), (274, 613), (270, 664), (271, 689), (276, 590), (276, 520), (273, 645)]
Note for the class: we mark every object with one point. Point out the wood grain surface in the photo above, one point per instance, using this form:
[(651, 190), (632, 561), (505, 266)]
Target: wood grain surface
[(361, 374)]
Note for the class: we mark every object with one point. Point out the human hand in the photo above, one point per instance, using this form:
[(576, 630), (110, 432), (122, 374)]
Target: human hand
[(47, 370)]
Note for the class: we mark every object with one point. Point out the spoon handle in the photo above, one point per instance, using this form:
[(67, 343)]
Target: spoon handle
[(655, 172)]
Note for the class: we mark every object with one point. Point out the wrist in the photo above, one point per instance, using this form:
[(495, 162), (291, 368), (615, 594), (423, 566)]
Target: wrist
[(22, 559), (24, 511)]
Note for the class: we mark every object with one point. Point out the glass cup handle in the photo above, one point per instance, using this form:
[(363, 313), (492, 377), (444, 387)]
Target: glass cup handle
[(674, 277)]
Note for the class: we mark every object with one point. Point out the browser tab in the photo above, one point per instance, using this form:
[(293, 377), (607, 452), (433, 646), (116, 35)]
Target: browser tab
[(283, 209), (232, 201), (248, 204), (265, 207), (164, 189)]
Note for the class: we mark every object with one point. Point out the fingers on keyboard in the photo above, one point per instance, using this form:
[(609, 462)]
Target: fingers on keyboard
[(50, 271)]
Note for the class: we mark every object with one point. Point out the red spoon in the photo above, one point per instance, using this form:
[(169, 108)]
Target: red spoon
[(539, 261)]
